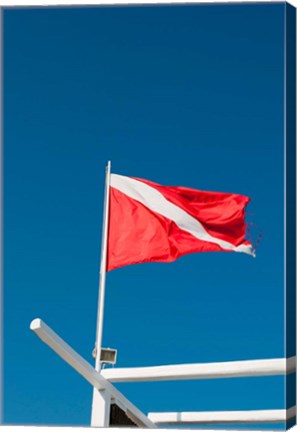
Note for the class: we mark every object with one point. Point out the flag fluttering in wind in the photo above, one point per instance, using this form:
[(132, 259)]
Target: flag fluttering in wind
[(153, 223)]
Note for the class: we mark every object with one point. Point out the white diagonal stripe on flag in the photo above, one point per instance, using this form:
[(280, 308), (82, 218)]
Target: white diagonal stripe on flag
[(155, 201)]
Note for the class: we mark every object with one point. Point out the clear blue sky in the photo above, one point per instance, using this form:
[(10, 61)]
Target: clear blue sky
[(184, 95)]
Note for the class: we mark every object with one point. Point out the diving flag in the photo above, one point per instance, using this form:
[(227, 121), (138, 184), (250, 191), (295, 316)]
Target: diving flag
[(150, 222)]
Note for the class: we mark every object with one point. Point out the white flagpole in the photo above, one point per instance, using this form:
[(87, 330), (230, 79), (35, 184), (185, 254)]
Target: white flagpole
[(101, 400), (102, 278)]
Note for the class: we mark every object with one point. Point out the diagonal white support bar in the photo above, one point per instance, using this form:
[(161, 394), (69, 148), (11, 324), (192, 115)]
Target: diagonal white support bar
[(233, 369), (258, 416), (71, 357)]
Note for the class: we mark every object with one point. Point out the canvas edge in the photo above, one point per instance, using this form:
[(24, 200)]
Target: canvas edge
[(290, 198), (89, 3), (1, 219), (290, 186)]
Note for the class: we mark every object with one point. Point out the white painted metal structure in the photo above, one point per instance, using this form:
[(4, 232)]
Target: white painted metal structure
[(104, 393), (225, 417), (233, 369), (71, 357), (100, 382)]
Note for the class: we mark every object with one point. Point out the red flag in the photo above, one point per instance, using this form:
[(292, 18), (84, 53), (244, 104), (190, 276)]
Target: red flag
[(150, 222)]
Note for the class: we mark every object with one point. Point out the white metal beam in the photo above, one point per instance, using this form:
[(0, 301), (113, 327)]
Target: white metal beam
[(233, 369), (48, 336), (239, 417), (101, 408)]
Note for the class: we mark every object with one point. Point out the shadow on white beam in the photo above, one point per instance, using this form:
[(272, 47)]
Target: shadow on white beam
[(48, 336), (233, 369), (224, 417)]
